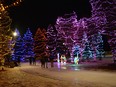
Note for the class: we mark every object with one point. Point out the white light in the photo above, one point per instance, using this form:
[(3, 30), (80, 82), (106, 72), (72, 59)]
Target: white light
[(15, 34)]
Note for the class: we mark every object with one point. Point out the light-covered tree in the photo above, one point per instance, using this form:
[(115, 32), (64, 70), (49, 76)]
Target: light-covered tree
[(40, 44), (103, 14), (87, 53), (5, 31), (28, 44), (66, 26), (51, 43), (18, 54), (99, 46)]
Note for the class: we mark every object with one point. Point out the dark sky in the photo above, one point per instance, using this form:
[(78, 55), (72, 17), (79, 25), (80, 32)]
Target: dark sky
[(40, 13)]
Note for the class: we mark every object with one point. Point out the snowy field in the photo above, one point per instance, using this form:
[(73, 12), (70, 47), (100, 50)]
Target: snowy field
[(35, 76)]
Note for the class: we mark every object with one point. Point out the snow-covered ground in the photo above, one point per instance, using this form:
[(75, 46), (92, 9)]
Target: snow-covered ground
[(64, 76)]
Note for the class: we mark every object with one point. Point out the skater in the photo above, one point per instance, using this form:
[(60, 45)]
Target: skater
[(51, 58), (42, 62), (46, 61), (34, 60), (30, 60)]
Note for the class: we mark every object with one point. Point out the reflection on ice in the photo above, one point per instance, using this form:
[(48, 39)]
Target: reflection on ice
[(77, 69), (58, 65), (63, 67), (68, 66)]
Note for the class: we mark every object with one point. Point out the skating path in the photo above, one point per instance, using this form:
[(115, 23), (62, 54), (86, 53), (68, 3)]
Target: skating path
[(73, 73)]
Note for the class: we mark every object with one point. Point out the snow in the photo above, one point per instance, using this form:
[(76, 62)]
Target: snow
[(35, 76)]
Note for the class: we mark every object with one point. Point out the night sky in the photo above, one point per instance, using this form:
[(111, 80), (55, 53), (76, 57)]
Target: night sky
[(40, 13)]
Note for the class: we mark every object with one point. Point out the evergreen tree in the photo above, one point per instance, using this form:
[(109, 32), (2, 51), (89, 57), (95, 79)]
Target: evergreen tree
[(28, 44), (51, 37), (51, 42), (99, 48), (5, 37), (5, 31), (97, 43), (19, 49), (87, 51), (40, 44), (76, 50)]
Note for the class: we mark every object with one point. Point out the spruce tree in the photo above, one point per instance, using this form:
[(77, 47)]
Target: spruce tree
[(40, 44), (87, 51), (19, 49), (28, 44), (5, 31), (51, 43), (99, 48), (51, 37)]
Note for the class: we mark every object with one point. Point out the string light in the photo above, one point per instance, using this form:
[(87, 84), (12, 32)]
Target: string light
[(2, 7)]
